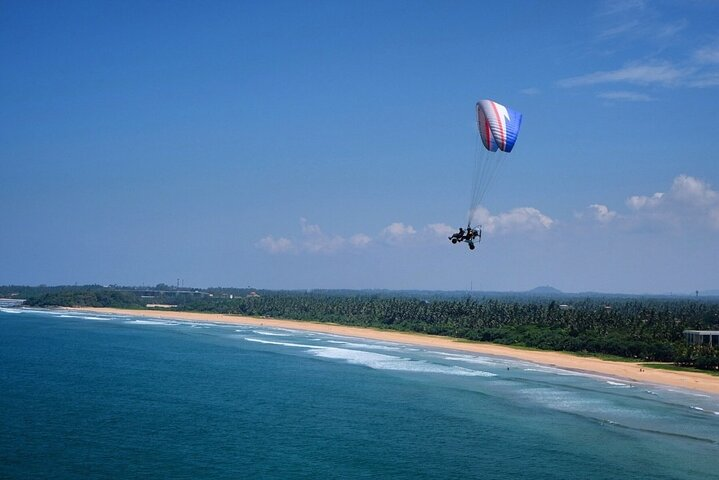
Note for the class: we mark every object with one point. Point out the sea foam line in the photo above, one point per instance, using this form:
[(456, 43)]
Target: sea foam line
[(365, 345), (151, 322), (86, 317), (618, 384), (271, 334), (378, 361), (10, 310)]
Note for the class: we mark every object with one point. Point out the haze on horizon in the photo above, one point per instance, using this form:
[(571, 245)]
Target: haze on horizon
[(330, 145)]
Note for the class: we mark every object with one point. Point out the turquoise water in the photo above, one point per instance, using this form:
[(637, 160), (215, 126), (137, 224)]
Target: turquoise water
[(107, 396)]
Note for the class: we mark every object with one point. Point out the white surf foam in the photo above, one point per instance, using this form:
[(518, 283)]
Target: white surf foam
[(85, 317), (604, 408), (689, 393), (477, 360), (556, 371), (150, 322), (371, 346), (45, 312), (270, 334), (378, 361), (618, 384), (283, 344), (10, 310), (566, 401)]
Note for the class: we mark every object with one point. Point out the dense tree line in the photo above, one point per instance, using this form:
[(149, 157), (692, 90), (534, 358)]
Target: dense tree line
[(89, 298), (646, 328)]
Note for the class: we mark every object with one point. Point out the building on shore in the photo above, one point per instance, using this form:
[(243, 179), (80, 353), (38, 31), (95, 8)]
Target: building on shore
[(702, 337)]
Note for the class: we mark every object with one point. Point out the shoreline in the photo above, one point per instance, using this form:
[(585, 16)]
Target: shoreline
[(628, 371)]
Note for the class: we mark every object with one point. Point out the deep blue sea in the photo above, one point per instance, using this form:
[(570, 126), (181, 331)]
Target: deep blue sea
[(108, 396)]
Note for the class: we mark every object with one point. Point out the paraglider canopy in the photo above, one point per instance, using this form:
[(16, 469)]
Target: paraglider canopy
[(498, 125), (498, 128)]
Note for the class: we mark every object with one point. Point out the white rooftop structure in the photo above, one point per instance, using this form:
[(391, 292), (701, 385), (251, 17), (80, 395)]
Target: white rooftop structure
[(702, 337)]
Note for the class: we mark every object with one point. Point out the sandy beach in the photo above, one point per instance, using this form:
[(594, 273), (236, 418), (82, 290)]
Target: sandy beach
[(628, 371)]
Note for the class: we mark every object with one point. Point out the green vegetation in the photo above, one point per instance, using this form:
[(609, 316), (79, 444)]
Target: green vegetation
[(637, 328)]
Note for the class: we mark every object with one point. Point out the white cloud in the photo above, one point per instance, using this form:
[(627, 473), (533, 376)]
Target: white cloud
[(669, 30), (640, 74), (618, 30), (276, 245), (649, 32), (309, 229), (440, 229), (530, 91), (521, 219), (692, 191), (707, 55), (360, 240), (637, 21), (602, 213), (518, 220), (624, 95), (621, 7), (638, 202), (397, 232), (705, 80), (313, 240), (316, 241), (689, 201), (324, 244)]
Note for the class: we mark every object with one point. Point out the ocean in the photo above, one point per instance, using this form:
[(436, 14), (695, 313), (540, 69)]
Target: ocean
[(113, 396)]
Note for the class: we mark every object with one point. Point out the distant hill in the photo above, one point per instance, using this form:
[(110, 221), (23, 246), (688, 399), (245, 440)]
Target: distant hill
[(544, 290), (709, 292)]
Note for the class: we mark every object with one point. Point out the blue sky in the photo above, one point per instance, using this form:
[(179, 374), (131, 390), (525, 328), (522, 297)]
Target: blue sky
[(330, 144)]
